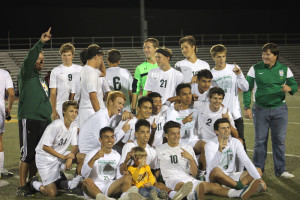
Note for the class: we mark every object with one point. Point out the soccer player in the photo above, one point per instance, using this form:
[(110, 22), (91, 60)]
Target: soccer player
[(177, 162), (190, 66), (221, 153), (34, 110), (230, 78), (6, 85), (91, 94), (141, 71), (158, 118), (163, 79), (51, 152), (272, 81), (101, 171), (144, 111), (119, 79), (200, 89), (109, 116), (61, 78)]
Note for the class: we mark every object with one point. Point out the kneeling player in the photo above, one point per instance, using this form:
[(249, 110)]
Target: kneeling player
[(52, 154)]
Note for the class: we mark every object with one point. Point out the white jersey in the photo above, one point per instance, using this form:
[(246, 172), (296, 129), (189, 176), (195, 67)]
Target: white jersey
[(90, 82), (188, 131), (89, 132), (160, 120), (189, 69), (226, 160), (163, 82), (120, 79), (105, 169), (207, 118), (230, 83), (58, 137), (6, 82), (151, 159), (61, 78), (201, 97), (171, 163)]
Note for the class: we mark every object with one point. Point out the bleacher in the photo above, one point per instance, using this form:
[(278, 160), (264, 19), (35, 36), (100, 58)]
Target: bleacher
[(244, 56)]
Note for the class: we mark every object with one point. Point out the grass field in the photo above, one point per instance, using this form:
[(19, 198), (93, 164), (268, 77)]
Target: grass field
[(278, 188)]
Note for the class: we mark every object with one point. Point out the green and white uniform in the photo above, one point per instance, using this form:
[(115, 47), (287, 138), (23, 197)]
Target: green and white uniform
[(267, 83)]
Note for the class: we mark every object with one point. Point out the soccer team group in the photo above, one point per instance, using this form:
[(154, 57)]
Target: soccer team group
[(180, 137)]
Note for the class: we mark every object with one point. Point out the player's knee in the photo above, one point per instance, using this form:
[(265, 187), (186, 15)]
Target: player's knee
[(87, 182), (51, 193), (259, 171), (216, 172)]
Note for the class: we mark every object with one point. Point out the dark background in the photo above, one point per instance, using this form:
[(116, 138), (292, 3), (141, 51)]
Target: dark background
[(121, 18)]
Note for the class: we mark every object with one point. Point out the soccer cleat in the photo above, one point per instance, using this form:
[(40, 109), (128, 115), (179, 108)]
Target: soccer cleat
[(101, 196), (183, 191), (77, 191), (132, 189), (137, 196), (24, 191), (250, 189), (154, 195), (30, 184), (287, 175), (163, 194), (4, 173), (201, 175)]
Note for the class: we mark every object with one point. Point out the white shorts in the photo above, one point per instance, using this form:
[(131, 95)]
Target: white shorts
[(49, 167), (2, 119), (103, 186), (172, 182), (83, 115), (234, 175)]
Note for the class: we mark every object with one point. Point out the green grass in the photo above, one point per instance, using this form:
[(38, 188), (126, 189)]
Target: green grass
[(278, 188)]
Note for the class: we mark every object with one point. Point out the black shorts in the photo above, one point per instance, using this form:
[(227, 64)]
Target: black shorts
[(30, 133)]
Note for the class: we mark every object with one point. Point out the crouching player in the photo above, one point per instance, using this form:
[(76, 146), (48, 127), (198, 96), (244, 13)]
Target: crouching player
[(51, 152)]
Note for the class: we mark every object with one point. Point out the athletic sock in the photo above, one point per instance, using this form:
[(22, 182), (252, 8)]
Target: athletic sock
[(36, 185), (172, 194), (1, 160), (239, 185), (234, 193), (74, 182)]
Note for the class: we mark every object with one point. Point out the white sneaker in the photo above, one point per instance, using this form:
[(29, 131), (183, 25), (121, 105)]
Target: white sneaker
[(101, 196), (287, 175), (136, 196), (132, 189), (185, 190)]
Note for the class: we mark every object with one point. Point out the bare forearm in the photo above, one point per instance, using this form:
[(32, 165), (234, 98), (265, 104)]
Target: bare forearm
[(51, 151), (94, 101)]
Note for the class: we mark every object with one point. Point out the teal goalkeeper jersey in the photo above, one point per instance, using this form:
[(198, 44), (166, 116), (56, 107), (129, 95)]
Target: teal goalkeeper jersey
[(140, 77), (267, 84)]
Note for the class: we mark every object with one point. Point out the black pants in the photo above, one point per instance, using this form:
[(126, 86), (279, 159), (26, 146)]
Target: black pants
[(239, 124), (30, 133)]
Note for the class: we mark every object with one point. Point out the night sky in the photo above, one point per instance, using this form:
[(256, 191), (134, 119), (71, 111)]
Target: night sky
[(121, 18)]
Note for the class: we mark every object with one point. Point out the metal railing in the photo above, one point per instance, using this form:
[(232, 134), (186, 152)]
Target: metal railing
[(136, 41)]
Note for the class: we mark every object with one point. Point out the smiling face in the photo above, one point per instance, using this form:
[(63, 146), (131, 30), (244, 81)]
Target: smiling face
[(215, 102), (142, 135), (269, 58), (173, 136), (145, 110), (67, 58), (161, 59), (157, 105), (70, 114), (223, 131), (116, 106), (149, 50), (187, 50), (185, 96), (107, 140), (204, 84)]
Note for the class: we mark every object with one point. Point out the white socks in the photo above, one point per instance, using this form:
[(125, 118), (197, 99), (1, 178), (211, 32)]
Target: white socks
[(1, 160), (36, 185), (234, 193), (172, 194), (74, 182)]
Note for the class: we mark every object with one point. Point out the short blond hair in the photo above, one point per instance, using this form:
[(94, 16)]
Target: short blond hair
[(218, 48), (67, 47), (66, 104)]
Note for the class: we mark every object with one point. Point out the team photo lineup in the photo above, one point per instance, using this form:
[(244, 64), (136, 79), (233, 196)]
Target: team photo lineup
[(167, 132)]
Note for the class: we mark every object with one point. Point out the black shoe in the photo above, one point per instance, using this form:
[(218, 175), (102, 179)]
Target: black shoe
[(60, 183), (75, 191), (24, 191), (30, 184)]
